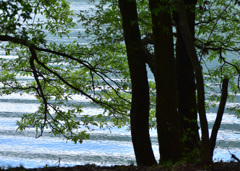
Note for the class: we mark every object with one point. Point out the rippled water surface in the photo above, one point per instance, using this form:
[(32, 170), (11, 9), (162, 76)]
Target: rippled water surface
[(103, 148)]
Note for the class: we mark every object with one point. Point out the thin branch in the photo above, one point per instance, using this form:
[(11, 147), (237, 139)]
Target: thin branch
[(41, 93), (219, 17)]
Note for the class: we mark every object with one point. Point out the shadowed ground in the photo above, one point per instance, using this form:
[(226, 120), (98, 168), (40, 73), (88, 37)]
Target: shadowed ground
[(218, 166)]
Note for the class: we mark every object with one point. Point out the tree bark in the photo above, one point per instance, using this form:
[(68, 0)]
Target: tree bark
[(186, 86), (139, 113), (168, 123), (185, 30)]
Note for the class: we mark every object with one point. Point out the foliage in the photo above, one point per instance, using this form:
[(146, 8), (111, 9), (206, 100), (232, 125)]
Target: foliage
[(98, 70), (217, 41), (60, 71)]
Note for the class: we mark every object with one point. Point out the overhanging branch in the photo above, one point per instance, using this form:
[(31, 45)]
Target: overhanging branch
[(82, 62)]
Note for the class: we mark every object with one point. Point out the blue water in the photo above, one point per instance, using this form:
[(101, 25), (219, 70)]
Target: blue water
[(103, 148)]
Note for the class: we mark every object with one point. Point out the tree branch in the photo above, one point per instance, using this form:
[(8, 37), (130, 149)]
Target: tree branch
[(84, 63), (39, 87)]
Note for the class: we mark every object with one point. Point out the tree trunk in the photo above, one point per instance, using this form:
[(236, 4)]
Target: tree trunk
[(220, 112), (186, 86), (140, 89), (168, 123), (185, 30)]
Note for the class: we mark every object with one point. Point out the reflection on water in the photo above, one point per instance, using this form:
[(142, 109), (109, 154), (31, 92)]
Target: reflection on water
[(104, 148)]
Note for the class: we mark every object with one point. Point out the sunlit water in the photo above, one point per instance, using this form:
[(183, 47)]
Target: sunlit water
[(103, 148)]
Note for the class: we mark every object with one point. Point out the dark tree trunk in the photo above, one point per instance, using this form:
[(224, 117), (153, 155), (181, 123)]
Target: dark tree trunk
[(168, 123), (140, 89), (220, 112), (186, 87), (187, 37)]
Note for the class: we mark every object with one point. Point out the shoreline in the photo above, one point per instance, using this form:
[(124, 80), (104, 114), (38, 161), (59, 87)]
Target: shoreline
[(217, 166)]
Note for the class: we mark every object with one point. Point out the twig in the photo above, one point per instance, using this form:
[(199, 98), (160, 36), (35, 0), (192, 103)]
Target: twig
[(233, 156), (58, 162)]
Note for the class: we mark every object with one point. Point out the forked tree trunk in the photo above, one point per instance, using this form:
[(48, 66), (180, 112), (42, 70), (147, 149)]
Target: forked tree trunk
[(140, 89), (185, 31), (168, 121), (186, 86)]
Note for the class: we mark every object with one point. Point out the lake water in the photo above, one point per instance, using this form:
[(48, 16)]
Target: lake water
[(103, 148)]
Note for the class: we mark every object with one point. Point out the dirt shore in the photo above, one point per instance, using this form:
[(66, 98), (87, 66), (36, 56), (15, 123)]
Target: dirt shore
[(218, 166)]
